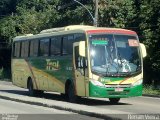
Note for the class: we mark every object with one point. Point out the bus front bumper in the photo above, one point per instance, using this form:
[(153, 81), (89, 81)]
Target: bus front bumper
[(103, 92)]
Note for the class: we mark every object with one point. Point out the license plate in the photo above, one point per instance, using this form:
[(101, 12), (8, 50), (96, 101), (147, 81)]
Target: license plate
[(118, 89)]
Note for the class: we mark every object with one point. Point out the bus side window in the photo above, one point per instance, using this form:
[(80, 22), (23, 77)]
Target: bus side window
[(44, 47), (80, 62), (17, 49), (55, 46), (70, 44), (65, 45), (14, 50), (79, 37), (34, 48), (24, 49), (76, 50)]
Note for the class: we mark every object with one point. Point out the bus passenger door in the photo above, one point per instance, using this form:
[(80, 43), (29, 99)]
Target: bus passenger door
[(79, 71)]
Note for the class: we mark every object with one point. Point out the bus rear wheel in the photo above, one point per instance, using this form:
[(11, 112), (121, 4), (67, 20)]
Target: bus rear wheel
[(32, 92), (114, 100), (71, 93), (30, 88)]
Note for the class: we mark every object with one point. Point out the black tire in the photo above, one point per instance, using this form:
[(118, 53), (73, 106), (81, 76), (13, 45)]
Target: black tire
[(30, 88), (32, 92), (114, 100), (71, 94)]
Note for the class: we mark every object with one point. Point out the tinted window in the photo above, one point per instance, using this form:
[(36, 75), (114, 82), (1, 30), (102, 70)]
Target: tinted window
[(17, 49), (34, 48), (68, 44), (65, 45), (14, 50), (24, 49), (80, 61), (44, 47), (77, 60), (79, 37), (55, 46)]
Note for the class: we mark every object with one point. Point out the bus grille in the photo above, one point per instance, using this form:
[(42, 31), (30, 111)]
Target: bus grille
[(118, 85)]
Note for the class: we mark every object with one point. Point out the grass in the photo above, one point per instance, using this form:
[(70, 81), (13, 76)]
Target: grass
[(150, 90)]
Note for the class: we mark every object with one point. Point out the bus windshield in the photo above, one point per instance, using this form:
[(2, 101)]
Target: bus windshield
[(114, 55)]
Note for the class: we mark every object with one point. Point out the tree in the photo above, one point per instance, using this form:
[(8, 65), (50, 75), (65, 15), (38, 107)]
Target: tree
[(20, 17), (150, 26), (7, 7)]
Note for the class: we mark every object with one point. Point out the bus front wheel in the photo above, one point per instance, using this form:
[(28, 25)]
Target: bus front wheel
[(114, 100)]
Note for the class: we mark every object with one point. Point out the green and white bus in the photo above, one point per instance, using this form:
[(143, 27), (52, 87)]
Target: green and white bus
[(80, 60)]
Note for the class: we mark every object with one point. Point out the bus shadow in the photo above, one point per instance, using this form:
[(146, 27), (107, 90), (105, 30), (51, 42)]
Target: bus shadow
[(97, 102), (58, 97)]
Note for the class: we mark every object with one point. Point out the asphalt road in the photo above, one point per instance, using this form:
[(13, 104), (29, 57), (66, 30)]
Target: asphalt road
[(33, 112), (137, 105), (11, 107)]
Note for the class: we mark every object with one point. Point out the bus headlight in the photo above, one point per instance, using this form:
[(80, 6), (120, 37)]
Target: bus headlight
[(138, 82), (97, 83)]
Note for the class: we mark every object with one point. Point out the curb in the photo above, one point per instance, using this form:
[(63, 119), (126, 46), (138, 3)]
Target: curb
[(82, 112)]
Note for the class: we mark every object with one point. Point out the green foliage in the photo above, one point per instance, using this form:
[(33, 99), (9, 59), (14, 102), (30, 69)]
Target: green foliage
[(5, 74), (30, 17), (73, 13), (19, 17), (7, 7), (150, 27), (116, 13), (150, 90), (7, 29)]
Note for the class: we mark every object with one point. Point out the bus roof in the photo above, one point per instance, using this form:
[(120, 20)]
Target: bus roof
[(74, 29)]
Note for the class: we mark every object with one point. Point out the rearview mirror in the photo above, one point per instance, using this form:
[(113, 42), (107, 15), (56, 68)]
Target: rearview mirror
[(82, 48), (143, 50)]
